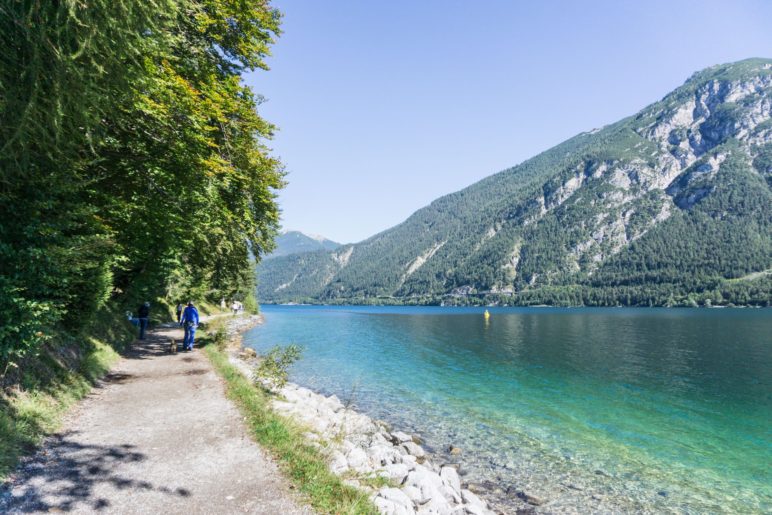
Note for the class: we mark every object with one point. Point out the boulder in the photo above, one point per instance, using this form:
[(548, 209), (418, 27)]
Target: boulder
[(429, 483), (393, 501), (247, 353), (413, 449), (396, 472), (471, 499), (357, 459), (399, 437), (436, 505), (450, 478), (338, 463), (382, 455), (531, 499)]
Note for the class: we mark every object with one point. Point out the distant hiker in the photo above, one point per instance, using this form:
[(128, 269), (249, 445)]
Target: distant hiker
[(189, 321), (144, 316), (222, 303), (179, 312), (235, 307)]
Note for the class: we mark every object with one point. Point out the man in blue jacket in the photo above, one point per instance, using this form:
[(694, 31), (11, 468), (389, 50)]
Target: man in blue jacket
[(189, 321)]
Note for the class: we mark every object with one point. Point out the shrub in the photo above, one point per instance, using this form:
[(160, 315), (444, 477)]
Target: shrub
[(274, 366)]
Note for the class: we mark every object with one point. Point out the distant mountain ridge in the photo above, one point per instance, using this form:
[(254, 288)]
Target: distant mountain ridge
[(671, 206), (296, 242)]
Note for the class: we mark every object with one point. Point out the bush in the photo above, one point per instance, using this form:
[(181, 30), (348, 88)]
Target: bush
[(274, 366)]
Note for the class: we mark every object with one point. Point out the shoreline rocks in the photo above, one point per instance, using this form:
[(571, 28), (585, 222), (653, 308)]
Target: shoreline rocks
[(366, 452)]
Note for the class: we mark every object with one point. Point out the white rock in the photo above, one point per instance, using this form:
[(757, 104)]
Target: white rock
[(357, 460), (398, 501), (400, 437), (382, 455), (437, 505), (335, 403), (414, 449), (471, 498), (450, 477), (414, 493), (429, 484), (473, 509), (408, 460), (379, 439), (338, 463), (395, 471)]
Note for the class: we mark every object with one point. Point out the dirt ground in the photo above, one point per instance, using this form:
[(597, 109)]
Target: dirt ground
[(157, 435)]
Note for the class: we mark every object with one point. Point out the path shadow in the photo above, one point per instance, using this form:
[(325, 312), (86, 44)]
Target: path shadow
[(155, 345), (64, 474)]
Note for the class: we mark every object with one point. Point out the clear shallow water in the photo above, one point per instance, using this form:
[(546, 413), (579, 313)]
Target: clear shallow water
[(592, 409)]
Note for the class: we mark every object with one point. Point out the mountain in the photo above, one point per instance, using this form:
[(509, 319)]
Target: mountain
[(671, 206), (296, 242)]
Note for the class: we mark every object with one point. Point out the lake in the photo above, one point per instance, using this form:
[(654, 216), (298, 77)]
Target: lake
[(606, 410)]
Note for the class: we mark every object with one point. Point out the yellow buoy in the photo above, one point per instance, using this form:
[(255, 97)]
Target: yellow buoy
[(486, 315)]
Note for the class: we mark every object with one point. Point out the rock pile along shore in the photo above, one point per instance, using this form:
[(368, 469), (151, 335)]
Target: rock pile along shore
[(362, 450)]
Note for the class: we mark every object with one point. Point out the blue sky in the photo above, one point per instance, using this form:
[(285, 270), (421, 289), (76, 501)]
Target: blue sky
[(384, 106)]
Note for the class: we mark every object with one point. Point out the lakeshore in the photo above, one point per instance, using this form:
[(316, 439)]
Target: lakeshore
[(585, 416), (363, 450)]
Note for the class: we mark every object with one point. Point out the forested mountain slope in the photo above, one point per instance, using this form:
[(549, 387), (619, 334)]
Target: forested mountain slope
[(296, 242), (670, 206)]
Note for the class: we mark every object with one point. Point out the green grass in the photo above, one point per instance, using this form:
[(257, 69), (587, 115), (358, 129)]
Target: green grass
[(34, 408), (302, 463)]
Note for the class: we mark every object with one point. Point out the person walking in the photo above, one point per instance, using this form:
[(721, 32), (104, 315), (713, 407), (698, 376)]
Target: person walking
[(143, 313), (189, 321), (179, 311)]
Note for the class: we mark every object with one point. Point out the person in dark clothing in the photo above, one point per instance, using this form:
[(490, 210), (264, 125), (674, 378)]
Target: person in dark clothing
[(179, 312), (144, 316), (190, 323)]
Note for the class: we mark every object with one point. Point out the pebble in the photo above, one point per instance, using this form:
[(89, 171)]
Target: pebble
[(531, 499)]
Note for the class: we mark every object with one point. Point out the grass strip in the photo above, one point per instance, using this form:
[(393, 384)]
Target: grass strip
[(301, 462), (35, 408)]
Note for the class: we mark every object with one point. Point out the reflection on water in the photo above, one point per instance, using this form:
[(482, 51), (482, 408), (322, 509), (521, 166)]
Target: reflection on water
[(645, 410)]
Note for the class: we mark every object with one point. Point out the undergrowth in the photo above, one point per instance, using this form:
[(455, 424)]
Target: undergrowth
[(41, 390)]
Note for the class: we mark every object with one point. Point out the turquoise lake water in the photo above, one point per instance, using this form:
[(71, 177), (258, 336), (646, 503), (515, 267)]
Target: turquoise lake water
[(605, 410)]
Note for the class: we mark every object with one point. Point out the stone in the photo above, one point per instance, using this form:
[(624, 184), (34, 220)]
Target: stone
[(395, 471), (473, 509), (247, 353), (393, 501), (471, 499), (358, 460), (450, 478), (436, 505), (531, 499), (451, 495), (382, 455), (338, 462), (429, 483), (399, 437), (413, 449)]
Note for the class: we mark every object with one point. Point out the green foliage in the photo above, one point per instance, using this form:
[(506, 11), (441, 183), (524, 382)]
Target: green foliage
[(133, 165), (274, 365)]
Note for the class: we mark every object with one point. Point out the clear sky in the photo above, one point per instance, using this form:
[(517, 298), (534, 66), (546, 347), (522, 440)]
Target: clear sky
[(384, 106)]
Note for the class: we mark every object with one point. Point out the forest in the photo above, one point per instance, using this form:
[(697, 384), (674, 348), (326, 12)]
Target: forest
[(133, 165)]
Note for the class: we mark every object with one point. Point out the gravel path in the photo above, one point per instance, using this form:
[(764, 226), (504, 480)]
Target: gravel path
[(156, 436)]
